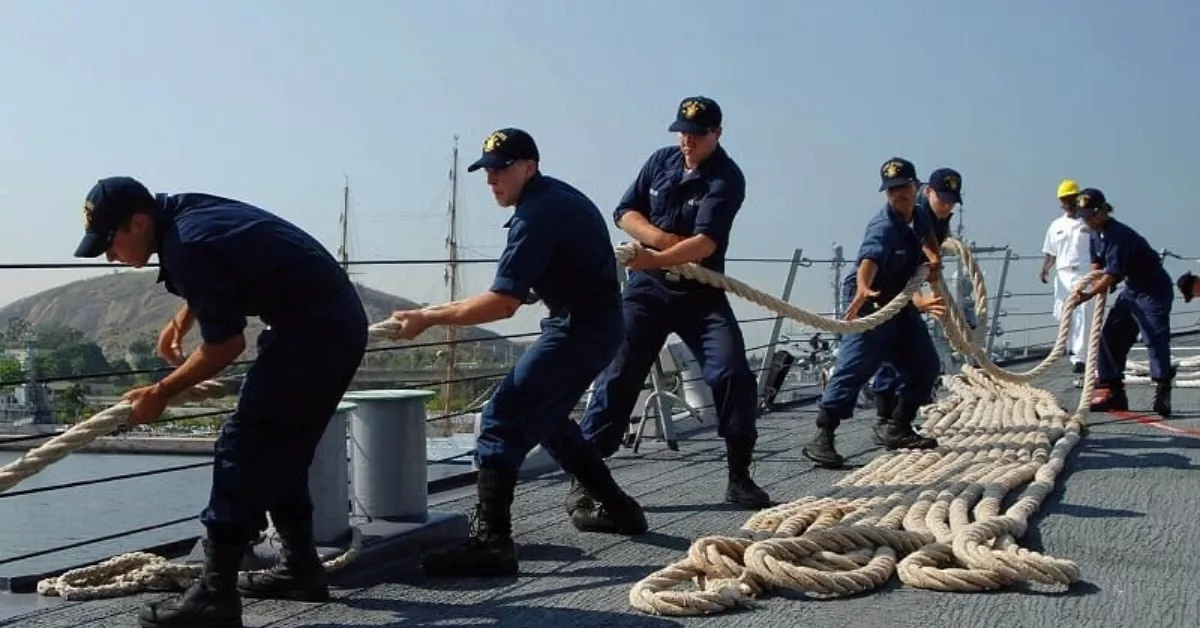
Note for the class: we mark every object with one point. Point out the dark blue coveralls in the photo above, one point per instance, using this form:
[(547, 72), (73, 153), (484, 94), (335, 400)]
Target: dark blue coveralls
[(1144, 304), (902, 340), (702, 202), (559, 247), (230, 260)]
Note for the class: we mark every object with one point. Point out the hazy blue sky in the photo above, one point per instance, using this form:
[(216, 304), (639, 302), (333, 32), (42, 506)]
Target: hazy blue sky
[(274, 102)]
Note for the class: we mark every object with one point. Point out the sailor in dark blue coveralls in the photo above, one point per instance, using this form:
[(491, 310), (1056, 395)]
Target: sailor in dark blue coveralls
[(229, 260), (937, 199), (680, 208), (1145, 304), (559, 249), (898, 240)]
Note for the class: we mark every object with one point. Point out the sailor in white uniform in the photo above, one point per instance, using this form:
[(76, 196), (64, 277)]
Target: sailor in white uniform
[(1066, 250)]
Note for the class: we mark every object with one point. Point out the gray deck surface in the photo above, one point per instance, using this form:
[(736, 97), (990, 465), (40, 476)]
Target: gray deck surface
[(1127, 510)]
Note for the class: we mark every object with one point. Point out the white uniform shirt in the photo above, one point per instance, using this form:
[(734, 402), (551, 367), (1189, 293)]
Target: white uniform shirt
[(1067, 240)]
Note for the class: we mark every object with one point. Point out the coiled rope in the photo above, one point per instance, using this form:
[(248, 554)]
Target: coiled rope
[(138, 571), (931, 516)]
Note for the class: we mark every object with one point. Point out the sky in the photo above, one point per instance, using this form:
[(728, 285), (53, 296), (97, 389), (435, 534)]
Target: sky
[(281, 103)]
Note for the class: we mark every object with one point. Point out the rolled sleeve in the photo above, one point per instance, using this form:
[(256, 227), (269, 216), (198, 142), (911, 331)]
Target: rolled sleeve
[(210, 290), (637, 196), (526, 256), (714, 217), (873, 246)]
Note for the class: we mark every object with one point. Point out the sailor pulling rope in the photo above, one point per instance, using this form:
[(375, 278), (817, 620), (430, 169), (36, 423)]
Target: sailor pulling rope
[(834, 545)]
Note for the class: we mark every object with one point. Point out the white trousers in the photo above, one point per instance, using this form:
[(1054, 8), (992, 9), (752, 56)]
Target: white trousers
[(1081, 318)]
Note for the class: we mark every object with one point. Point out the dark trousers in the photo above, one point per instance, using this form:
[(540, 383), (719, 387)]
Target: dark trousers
[(704, 320), (288, 397), (1133, 312), (904, 342), (533, 403)]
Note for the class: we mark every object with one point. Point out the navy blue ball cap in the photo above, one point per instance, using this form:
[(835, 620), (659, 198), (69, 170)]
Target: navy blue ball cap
[(697, 115), (108, 204), (1089, 201), (896, 172), (505, 147), (947, 182)]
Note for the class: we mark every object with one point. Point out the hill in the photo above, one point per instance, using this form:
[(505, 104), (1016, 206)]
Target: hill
[(118, 309)]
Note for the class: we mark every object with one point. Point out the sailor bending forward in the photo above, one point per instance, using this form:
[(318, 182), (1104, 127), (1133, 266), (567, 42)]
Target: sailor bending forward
[(229, 260), (1145, 305)]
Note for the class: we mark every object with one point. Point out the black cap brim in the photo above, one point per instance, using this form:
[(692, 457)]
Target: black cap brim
[(895, 183), (691, 128), (491, 161), (92, 245)]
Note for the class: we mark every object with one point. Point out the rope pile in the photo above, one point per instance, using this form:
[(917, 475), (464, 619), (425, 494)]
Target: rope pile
[(137, 571), (932, 517), (1187, 372)]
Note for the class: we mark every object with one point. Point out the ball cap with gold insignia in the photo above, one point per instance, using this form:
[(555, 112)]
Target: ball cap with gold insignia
[(947, 182), (505, 147), (1089, 201), (110, 201), (696, 115), (896, 172)]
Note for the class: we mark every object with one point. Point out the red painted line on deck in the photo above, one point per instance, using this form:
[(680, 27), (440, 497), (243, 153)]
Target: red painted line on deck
[(1153, 420)]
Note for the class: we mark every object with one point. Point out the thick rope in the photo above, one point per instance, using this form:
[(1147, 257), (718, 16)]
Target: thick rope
[(931, 516), (137, 571)]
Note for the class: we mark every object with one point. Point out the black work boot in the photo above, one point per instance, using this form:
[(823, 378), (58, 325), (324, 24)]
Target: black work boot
[(821, 450), (1162, 397), (1109, 396), (299, 576), (579, 498), (898, 432), (885, 407), (211, 602), (742, 490), (490, 552), (614, 511)]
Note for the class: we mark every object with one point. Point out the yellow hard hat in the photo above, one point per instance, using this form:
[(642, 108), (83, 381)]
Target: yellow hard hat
[(1068, 187)]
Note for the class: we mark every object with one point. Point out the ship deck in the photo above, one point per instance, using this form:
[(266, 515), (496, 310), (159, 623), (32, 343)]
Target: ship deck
[(1125, 509)]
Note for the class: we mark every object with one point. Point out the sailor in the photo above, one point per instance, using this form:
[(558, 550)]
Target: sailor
[(229, 260), (937, 199), (558, 246), (1066, 250), (680, 208), (898, 240), (1145, 305)]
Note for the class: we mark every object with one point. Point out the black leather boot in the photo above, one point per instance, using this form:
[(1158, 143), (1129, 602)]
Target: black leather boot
[(1162, 397), (211, 602), (614, 511), (1109, 396), (578, 498), (741, 489), (821, 450), (299, 575), (490, 551), (898, 433), (885, 407)]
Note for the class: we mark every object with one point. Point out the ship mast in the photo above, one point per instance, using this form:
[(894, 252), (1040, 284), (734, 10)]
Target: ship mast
[(452, 280), (344, 248)]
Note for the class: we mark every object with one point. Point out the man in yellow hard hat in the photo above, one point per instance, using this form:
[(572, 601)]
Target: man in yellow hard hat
[(1066, 251)]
